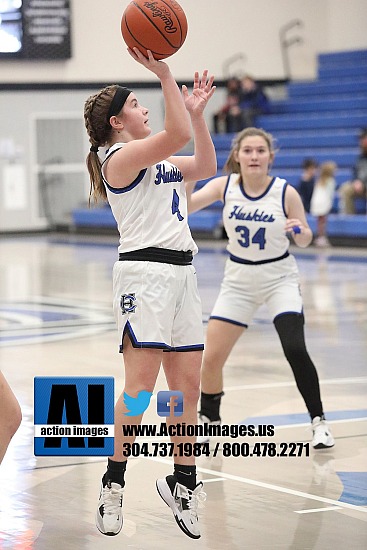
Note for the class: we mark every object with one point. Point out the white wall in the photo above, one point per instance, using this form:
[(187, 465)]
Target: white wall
[(217, 30), (347, 24)]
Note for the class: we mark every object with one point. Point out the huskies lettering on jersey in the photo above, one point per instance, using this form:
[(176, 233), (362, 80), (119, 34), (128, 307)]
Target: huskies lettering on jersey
[(256, 216), (167, 176)]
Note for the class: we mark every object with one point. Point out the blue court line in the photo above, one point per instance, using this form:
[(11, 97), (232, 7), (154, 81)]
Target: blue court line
[(46, 316), (354, 483), (43, 335), (302, 418), (354, 487)]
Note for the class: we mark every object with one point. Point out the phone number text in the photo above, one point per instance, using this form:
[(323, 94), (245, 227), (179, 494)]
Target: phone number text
[(228, 449)]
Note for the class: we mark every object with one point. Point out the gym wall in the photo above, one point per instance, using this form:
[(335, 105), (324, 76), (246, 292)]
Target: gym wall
[(42, 139)]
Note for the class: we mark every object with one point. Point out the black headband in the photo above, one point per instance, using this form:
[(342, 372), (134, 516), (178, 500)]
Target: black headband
[(118, 101)]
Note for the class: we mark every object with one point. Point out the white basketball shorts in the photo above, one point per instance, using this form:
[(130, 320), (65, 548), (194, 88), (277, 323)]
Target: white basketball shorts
[(246, 287), (158, 305)]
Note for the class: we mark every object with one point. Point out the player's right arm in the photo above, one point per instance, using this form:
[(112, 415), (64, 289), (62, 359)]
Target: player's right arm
[(177, 126), (141, 153), (211, 192)]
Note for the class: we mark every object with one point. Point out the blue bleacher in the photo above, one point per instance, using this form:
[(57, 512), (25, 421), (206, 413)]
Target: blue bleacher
[(292, 175), (294, 158), (337, 71), (342, 226), (328, 86), (313, 121), (318, 140), (302, 139), (348, 57), (93, 217), (316, 103), (320, 119), (207, 221)]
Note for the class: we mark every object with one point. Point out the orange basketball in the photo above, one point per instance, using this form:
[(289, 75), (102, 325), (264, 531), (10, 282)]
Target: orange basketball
[(159, 26)]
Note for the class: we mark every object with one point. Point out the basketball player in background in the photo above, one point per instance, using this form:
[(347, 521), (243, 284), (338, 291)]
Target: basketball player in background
[(258, 212), (155, 296), (10, 415)]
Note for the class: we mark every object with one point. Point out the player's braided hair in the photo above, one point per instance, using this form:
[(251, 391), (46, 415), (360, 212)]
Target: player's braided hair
[(232, 166), (99, 131)]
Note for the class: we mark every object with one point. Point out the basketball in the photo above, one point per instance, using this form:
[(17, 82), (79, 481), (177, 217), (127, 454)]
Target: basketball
[(159, 26)]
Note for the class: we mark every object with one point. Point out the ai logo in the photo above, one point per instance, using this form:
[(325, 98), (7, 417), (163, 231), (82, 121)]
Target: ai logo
[(74, 416)]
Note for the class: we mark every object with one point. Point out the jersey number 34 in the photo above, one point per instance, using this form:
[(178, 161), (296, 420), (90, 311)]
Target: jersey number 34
[(246, 239)]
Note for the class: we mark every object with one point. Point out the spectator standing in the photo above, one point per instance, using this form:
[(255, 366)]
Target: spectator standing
[(220, 118), (307, 182), (322, 200), (357, 188)]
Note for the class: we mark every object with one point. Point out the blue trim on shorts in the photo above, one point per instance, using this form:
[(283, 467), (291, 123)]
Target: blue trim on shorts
[(194, 347), (141, 345), (228, 321), (154, 345)]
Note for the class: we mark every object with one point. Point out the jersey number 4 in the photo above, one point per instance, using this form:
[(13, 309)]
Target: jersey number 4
[(246, 240), (175, 205)]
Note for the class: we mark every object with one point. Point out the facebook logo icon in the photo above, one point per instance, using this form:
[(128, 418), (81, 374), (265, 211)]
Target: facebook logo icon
[(170, 403)]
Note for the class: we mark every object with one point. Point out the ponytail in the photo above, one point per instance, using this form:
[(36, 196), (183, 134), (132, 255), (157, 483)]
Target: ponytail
[(97, 188), (99, 130)]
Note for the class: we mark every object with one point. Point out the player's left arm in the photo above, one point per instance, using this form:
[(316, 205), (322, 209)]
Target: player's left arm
[(203, 163), (296, 218)]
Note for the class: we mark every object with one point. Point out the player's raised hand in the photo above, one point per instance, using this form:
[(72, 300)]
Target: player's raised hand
[(202, 91)]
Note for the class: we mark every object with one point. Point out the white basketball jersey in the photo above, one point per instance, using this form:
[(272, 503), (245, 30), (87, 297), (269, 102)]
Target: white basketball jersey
[(255, 226), (152, 210)]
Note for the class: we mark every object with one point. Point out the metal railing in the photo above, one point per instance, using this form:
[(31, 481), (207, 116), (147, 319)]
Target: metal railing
[(230, 61), (286, 42)]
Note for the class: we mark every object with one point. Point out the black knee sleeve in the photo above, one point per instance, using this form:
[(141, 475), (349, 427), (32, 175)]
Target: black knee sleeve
[(290, 328)]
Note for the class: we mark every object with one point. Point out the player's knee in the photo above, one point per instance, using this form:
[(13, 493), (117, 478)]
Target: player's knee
[(212, 361), (294, 352), (11, 423), (16, 417), (191, 396)]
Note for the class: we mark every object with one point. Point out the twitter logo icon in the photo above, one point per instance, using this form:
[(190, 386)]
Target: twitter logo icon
[(137, 405)]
